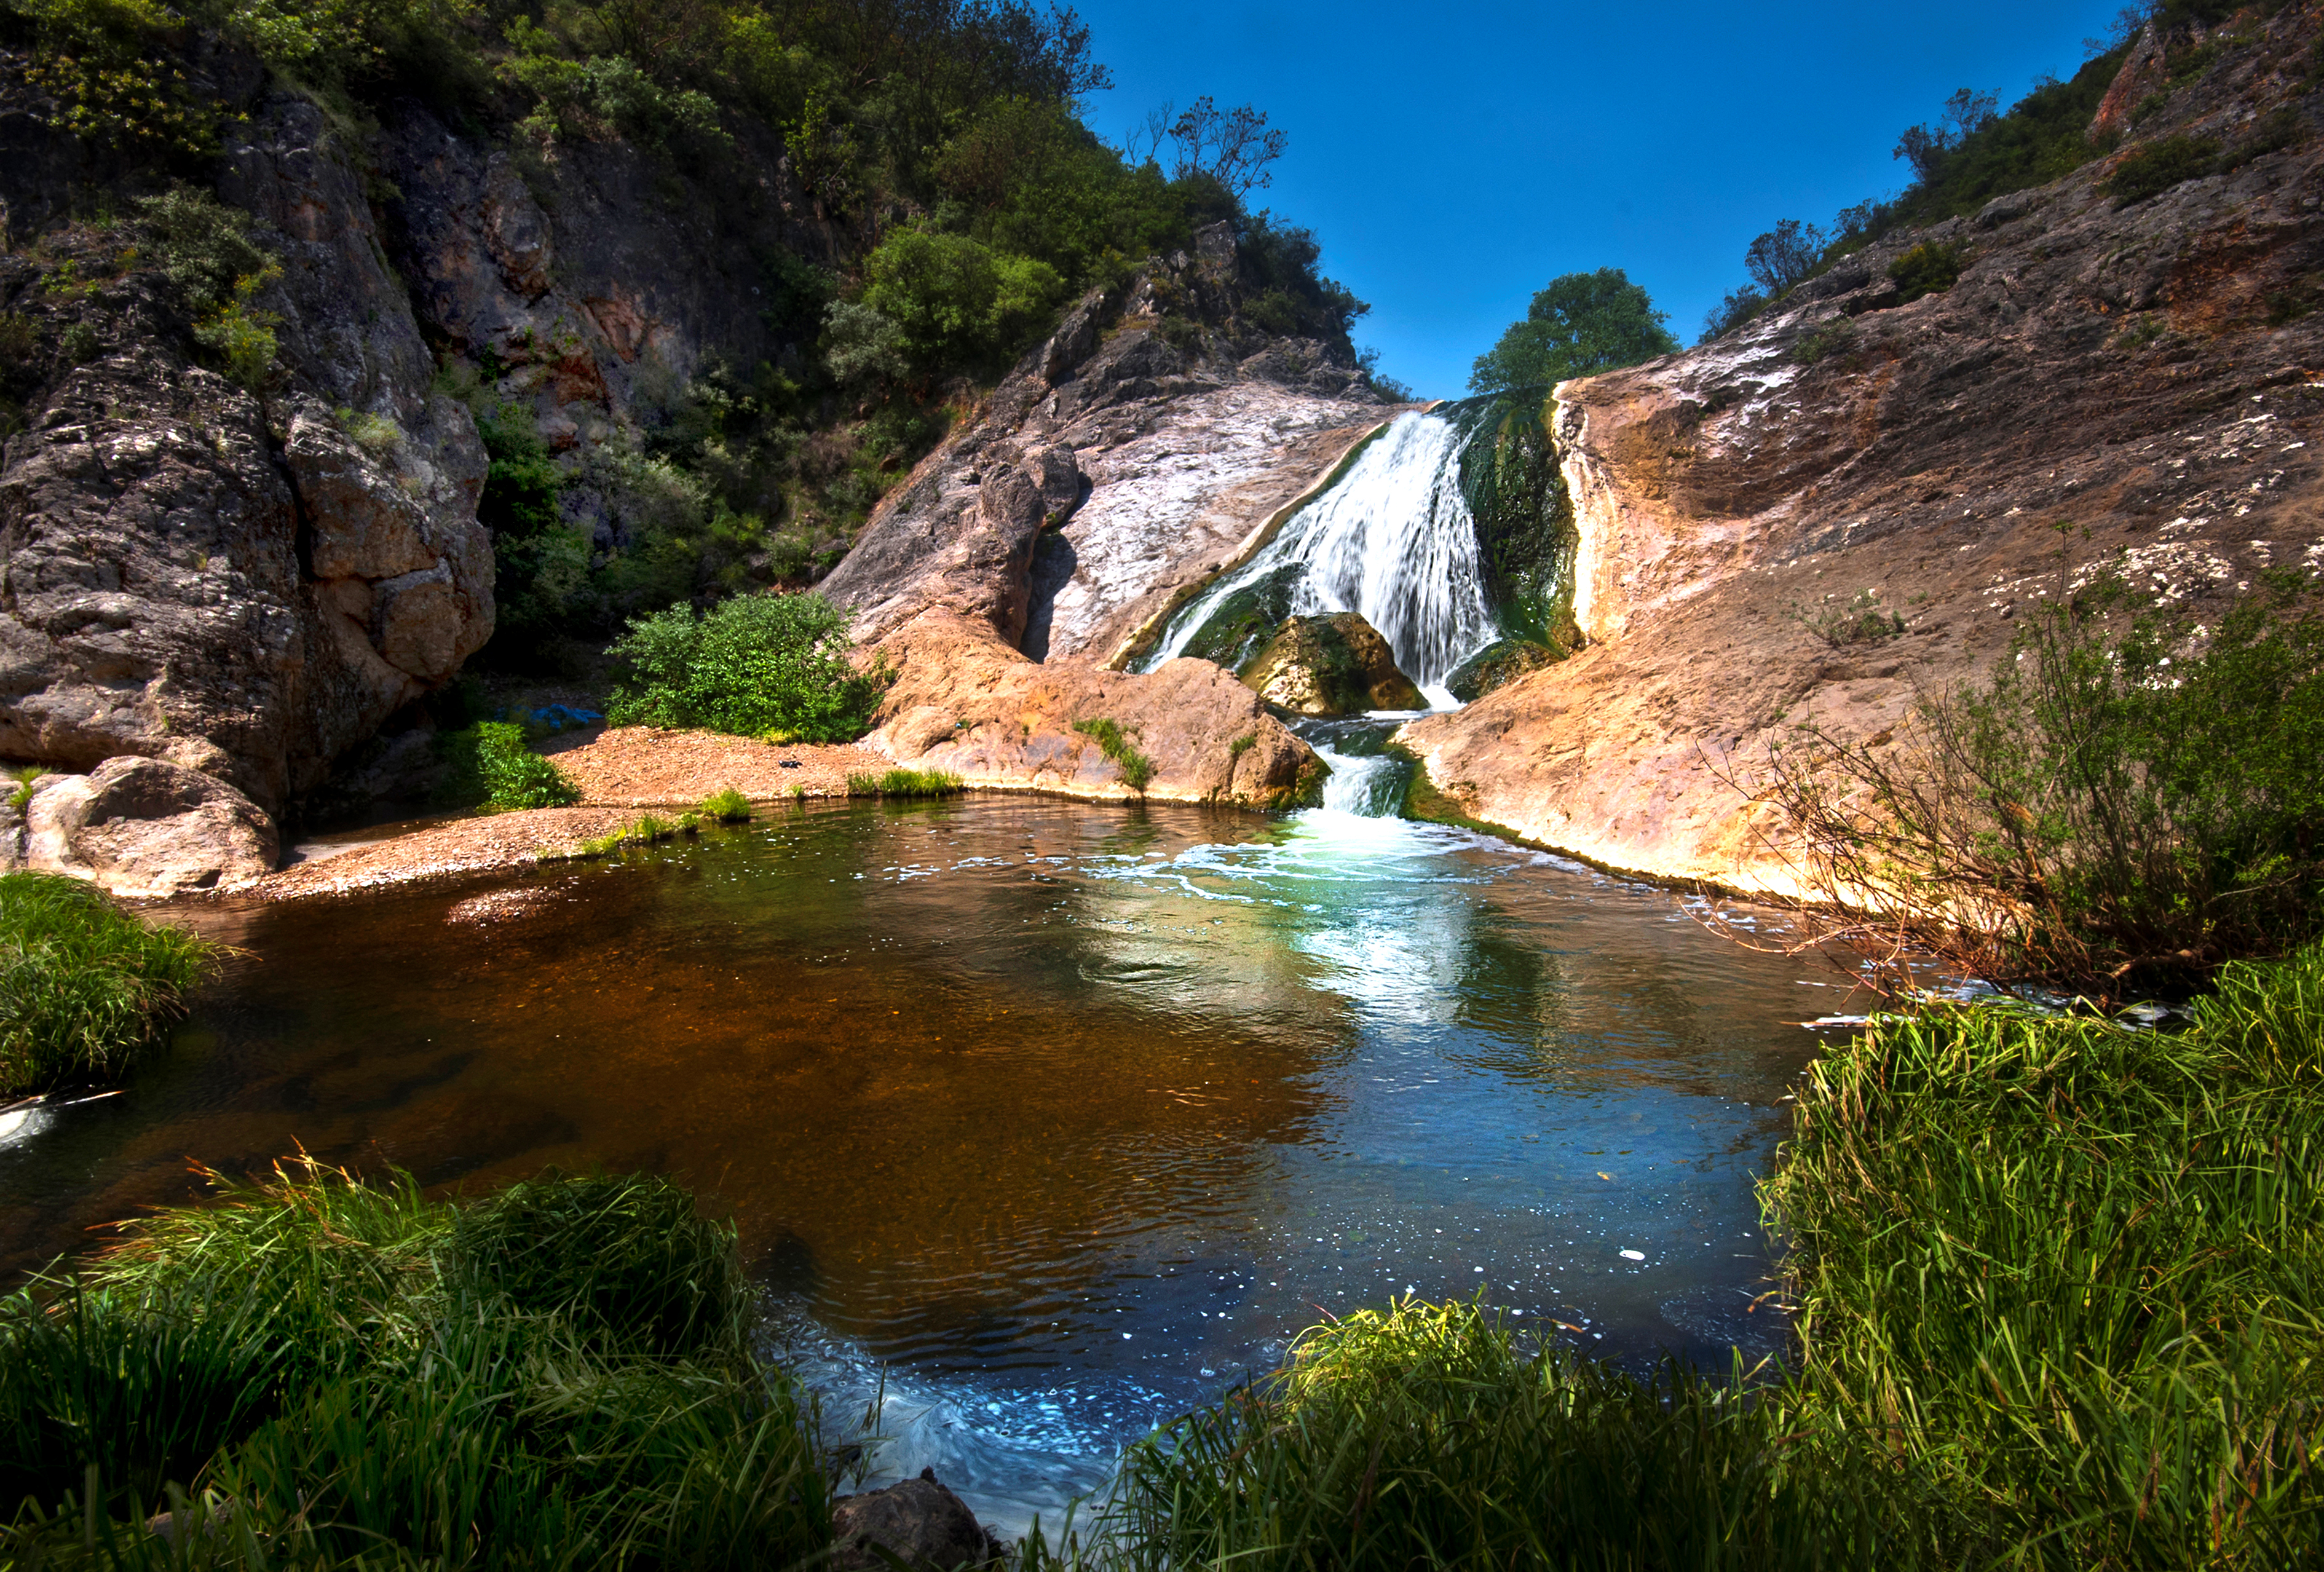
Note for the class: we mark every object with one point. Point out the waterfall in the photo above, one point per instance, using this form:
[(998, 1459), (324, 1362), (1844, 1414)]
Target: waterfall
[(1392, 539)]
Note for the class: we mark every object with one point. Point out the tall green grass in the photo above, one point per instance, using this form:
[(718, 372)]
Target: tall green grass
[(490, 765), (85, 987), (905, 783), (558, 1376)]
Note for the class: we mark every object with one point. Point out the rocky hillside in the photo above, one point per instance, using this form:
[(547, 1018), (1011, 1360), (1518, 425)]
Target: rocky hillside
[(1848, 503)]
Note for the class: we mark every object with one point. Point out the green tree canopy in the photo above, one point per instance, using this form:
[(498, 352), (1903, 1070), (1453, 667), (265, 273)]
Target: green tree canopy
[(1581, 325)]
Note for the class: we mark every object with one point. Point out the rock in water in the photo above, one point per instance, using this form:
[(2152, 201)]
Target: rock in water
[(147, 827), (918, 1521), (1336, 665)]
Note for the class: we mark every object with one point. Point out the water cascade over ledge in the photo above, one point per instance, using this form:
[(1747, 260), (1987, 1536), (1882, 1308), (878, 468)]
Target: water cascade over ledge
[(1393, 540)]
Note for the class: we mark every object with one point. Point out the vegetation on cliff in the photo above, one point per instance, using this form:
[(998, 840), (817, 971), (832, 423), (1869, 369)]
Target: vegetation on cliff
[(2129, 802), (916, 182), (86, 989)]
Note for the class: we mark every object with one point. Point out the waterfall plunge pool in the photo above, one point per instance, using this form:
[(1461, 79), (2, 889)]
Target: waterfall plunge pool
[(1047, 1120)]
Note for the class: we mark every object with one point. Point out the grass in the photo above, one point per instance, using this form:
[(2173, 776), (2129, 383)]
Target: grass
[(86, 989), (554, 1376), (646, 829), (900, 782), (726, 806), (1137, 768)]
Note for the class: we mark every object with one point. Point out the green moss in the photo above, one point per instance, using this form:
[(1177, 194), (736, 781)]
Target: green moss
[(1525, 532)]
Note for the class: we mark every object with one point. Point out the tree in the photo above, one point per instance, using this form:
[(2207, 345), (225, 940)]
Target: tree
[(1783, 256), (1231, 146), (1965, 114), (1581, 325)]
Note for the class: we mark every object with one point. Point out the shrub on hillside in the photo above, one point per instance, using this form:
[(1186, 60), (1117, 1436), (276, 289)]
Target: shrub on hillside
[(1928, 268), (756, 666), (2126, 805), (85, 988), (2161, 164)]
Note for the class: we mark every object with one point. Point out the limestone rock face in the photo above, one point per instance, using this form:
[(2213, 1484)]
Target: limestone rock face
[(2133, 375), (1335, 665), (917, 1522), (146, 827)]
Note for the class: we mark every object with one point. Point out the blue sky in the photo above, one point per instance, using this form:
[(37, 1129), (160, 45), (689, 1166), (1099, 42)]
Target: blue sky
[(1454, 158)]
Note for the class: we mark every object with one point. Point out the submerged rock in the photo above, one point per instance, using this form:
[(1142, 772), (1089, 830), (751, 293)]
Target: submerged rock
[(1336, 665), (1502, 661), (918, 1523)]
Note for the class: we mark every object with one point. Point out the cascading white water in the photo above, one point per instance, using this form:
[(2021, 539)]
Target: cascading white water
[(1394, 540), (1367, 786)]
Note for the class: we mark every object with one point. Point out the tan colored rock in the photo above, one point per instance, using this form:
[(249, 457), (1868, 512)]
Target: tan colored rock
[(146, 827), (1333, 665), (1953, 464)]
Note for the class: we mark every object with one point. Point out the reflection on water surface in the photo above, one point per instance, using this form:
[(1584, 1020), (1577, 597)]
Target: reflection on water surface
[(1069, 1114)]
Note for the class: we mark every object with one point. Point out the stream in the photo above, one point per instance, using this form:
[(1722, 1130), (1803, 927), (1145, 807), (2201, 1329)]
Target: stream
[(1041, 1121)]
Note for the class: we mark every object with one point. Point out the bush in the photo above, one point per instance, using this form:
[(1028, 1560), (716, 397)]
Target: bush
[(2160, 165), (556, 1376), (1738, 308), (2113, 811), (954, 300), (491, 768), (727, 807), (1928, 268), (757, 666), (85, 988)]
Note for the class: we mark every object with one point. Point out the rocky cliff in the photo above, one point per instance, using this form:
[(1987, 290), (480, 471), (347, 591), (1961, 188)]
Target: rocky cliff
[(1847, 503), (1130, 456)]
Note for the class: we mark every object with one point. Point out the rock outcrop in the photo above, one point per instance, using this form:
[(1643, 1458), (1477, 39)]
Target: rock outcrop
[(1112, 469), (1332, 664), (146, 827), (2107, 388), (245, 580)]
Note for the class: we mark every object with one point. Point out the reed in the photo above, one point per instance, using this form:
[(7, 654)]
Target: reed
[(86, 989), (726, 806)]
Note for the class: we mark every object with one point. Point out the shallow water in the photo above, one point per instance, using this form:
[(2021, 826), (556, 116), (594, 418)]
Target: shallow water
[(1063, 1117)]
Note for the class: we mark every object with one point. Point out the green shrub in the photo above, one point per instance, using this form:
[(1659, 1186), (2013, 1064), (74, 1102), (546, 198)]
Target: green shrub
[(1820, 343), (490, 766), (756, 666), (905, 783), (1136, 769), (1862, 620), (727, 807), (954, 298), (557, 1375), (2127, 803), (85, 988), (2158, 166), (1928, 268)]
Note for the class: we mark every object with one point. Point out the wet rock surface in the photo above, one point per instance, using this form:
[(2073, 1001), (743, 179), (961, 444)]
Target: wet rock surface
[(2142, 376), (917, 1522), (1332, 664)]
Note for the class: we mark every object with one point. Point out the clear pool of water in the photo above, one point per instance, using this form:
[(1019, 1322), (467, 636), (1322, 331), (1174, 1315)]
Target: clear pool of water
[(1043, 1120)]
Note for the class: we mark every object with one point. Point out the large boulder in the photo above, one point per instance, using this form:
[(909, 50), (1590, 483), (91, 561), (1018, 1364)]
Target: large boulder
[(918, 1523), (1336, 665), (1498, 663), (141, 826)]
